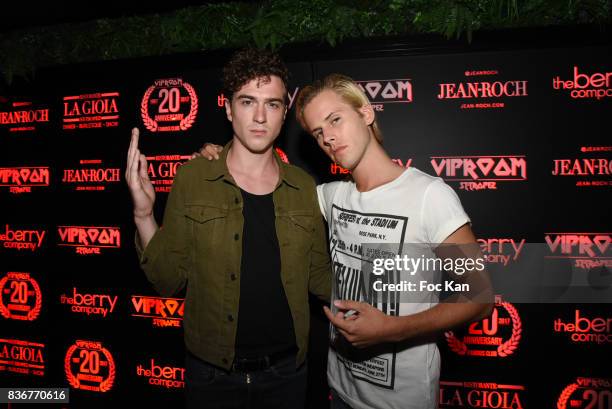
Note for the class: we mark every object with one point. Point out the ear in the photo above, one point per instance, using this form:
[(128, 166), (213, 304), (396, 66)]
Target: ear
[(367, 112), (228, 109), (285, 113)]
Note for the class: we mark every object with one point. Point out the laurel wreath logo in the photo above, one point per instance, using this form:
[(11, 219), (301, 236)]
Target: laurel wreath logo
[(565, 395), (185, 123), (105, 385), (34, 311), (149, 123), (506, 348)]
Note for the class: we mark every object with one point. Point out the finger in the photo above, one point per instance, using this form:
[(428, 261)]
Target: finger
[(209, 152), (351, 305), (143, 167), (133, 166), (134, 142), (328, 314), (130, 155), (336, 320), (213, 150)]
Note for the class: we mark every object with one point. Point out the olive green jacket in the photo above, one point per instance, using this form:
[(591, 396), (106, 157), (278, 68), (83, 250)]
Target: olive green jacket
[(200, 246)]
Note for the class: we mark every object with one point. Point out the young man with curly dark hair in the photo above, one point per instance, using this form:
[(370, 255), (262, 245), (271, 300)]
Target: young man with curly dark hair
[(245, 237)]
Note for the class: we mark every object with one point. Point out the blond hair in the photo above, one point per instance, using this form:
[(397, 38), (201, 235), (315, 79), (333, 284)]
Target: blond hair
[(343, 86)]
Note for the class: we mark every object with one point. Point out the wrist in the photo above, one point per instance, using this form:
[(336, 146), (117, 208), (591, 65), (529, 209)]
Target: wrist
[(394, 330), (141, 219)]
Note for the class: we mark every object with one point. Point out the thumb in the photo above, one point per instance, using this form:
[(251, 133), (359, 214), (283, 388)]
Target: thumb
[(350, 305)]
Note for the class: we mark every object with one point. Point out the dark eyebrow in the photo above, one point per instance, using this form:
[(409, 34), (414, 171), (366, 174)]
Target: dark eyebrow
[(252, 98), (275, 100)]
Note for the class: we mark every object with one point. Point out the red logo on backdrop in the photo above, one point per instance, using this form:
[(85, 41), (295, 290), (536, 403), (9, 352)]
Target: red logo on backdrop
[(381, 92), (20, 297), (23, 116), (479, 90), (89, 304), (486, 395), (22, 179), (89, 239), (336, 169), (283, 156), (89, 366), (19, 240), (162, 169), (166, 377), (98, 110), (170, 105), (91, 176), (22, 357), (588, 250), (480, 172), (164, 312), (597, 330), (496, 336), (586, 393), (585, 85), (590, 171), (501, 250)]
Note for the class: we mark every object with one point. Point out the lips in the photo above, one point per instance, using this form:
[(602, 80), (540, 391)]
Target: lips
[(338, 150)]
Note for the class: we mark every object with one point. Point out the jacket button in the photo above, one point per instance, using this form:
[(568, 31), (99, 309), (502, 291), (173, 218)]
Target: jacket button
[(224, 360), (236, 200), (230, 318), (233, 277), (236, 236)]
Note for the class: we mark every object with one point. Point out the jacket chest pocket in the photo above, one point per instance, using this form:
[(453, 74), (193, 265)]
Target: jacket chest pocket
[(207, 225), (298, 238)]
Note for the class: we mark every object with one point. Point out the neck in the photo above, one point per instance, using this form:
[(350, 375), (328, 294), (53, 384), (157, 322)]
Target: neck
[(242, 160), (375, 168)]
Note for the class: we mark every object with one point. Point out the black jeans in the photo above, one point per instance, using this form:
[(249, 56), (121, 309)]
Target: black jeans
[(280, 386)]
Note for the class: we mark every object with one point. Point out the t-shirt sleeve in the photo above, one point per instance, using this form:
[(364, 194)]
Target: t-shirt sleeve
[(321, 198), (441, 212), (325, 194)]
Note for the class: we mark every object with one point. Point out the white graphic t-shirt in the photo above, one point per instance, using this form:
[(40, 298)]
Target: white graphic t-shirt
[(413, 208)]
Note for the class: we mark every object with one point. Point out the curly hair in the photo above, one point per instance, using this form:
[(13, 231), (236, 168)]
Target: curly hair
[(249, 64)]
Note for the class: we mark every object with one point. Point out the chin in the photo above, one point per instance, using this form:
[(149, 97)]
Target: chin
[(259, 147)]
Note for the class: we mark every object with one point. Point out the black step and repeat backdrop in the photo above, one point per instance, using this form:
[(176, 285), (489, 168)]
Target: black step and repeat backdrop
[(522, 135)]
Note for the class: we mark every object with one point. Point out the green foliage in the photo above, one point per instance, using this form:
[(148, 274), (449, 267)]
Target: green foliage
[(273, 24)]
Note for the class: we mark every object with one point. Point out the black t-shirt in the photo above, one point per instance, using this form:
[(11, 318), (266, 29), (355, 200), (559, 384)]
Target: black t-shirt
[(265, 325)]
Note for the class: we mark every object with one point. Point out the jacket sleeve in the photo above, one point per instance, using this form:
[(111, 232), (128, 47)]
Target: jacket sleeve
[(166, 258), (320, 267)]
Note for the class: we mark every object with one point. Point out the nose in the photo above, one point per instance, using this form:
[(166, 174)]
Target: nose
[(328, 137), (260, 114)]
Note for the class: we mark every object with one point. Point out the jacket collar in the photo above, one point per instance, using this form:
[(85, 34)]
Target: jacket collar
[(219, 170)]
